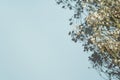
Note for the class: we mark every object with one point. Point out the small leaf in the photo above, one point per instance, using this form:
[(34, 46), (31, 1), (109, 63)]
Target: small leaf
[(71, 23), (63, 6), (70, 19), (69, 33)]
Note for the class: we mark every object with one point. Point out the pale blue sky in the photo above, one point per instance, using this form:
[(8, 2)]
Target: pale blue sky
[(34, 44)]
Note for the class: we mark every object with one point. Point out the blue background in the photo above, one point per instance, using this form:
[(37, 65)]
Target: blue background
[(34, 43)]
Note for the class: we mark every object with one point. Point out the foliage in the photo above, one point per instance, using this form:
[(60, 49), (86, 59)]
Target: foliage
[(98, 27)]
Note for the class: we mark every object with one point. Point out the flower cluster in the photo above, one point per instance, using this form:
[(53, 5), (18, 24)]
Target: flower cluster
[(99, 30)]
